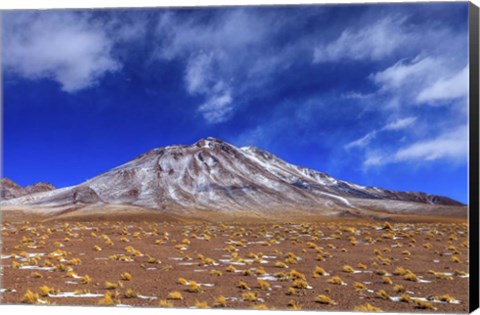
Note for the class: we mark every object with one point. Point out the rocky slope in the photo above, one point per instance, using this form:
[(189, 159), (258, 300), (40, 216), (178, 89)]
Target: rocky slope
[(11, 190), (214, 175)]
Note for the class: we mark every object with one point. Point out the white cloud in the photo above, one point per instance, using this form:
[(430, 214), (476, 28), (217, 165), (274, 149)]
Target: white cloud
[(232, 31), (198, 73), (202, 78), (227, 58), (372, 42), (62, 46), (373, 160), (451, 145), (400, 123), (403, 73), (362, 142), (217, 108), (453, 87)]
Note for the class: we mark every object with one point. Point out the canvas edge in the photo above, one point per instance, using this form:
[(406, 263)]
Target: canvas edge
[(474, 156)]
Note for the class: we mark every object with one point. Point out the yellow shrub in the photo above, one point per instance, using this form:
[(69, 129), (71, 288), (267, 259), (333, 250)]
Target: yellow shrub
[(367, 308), (335, 280), (175, 295), (126, 276), (323, 299), (165, 303), (220, 301)]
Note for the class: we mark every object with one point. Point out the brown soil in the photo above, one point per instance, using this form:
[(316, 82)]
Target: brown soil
[(246, 246)]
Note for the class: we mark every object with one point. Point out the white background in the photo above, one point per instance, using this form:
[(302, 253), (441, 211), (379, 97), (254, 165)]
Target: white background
[(46, 4)]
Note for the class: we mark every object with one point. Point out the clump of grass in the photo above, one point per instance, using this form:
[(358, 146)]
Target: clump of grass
[(300, 284), (319, 271), (424, 305), (297, 275), (152, 260), (260, 271), (182, 281), (201, 304), (250, 296), (220, 302), (442, 276), (387, 280), (446, 298), (400, 271), (207, 262), (45, 291), (455, 259), (126, 276), (399, 288), (323, 299), (165, 303), (293, 291), (217, 273), (367, 308), (175, 295), (293, 305), (348, 269), (86, 279), (382, 294), (62, 267), (336, 280), (30, 297), (97, 248), (230, 268), (260, 306), (243, 285), (130, 294), (194, 287), (111, 285), (361, 266), (74, 262), (37, 275), (410, 276), (107, 299), (282, 276), (406, 298), (280, 264), (359, 286), (247, 272), (264, 285), (381, 272), (387, 226)]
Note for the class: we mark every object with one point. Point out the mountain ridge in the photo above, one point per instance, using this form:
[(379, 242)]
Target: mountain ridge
[(11, 190), (212, 174)]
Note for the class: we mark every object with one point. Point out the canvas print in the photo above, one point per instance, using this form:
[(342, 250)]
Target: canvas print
[(307, 157)]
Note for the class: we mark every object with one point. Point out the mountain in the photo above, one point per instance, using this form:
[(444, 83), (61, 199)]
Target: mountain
[(11, 190), (213, 175)]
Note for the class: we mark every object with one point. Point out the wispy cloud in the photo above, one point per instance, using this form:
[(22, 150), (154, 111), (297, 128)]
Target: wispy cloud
[(408, 73), (400, 123), (62, 46), (362, 142), (228, 57), (217, 108), (372, 42), (452, 145), (448, 88)]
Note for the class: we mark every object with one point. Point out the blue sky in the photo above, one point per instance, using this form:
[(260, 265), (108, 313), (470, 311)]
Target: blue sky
[(372, 94)]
